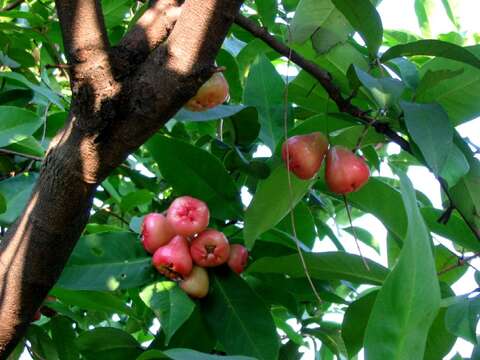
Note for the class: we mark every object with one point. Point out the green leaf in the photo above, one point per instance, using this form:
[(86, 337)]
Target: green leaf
[(431, 130), (16, 124), (391, 210), (38, 89), (363, 16), (323, 266), (187, 354), (450, 9), (455, 229), (109, 276), (355, 322), (218, 112), (16, 191), (198, 173), (41, 343), (3, 204), (93, 300), (432, 78), (461, 318), (322, 18), (423, 10), (304, 225), (329, 334), (246, 326), (28, 146), (385, 91), (108, 343), (64, 338), (433, 48), (262, 215), (171, 305), (267, 9), (136, 198), (455, 168), (264, 90), (409, 299)]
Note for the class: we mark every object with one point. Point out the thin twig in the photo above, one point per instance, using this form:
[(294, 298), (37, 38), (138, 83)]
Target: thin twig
[(461, 261), (347, 208), (26, 156)]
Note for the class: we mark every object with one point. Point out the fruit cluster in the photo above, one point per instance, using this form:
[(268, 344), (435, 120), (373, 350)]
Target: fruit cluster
[(345, 172), (182, 245)]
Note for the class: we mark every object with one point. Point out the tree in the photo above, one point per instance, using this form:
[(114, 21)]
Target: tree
[(86, 89)]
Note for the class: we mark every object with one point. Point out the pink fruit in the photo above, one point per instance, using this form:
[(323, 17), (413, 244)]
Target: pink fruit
[(212, 93), (173, 260), (196, 284), (156, 232), (188, 216), (345, 171), (210, 248), (306, 153), (238, 258)]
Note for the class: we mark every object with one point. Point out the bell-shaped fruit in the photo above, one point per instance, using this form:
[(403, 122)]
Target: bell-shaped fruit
[(156, 232), (188, 216), (212, 93), (196, 284), (210, 248), (173, 260), (305, 154), (345, 171), (238, 258)]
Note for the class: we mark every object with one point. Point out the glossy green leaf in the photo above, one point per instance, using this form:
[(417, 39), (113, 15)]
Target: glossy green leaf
[(108, 276), (455, 229), (16, 124), (16, 191), (429, 126), (323, 266), (435, 48), (455, 168), (3, 204), (196, 172), (28, 146), (246, 326), (172, 306), (462, 317), (264, 90), (187, 354), (410, 296), (385, 91), (108, 343), (423, 10), (363, 16), (432, 78), (41, 343), (267, 9), (261, 215), (330, 336), (93, 300), (64, 338), (136, 198)]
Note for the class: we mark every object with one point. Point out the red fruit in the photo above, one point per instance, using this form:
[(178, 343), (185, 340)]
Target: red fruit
[(173, 260), (238, 258), (156, 232), (306, 153), (196, 284), (188, 216), (210, 248), (345, 172), (212, 93)]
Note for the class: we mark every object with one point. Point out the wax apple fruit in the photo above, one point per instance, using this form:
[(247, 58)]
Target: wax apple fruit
[(238, 258), (212, 93), (188, 216), (210, 248), (345, 172), (156, 232), (306, 153), (196, 284), (173, 259)]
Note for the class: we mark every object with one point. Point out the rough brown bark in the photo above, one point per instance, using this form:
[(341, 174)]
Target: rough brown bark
[(115, 108)]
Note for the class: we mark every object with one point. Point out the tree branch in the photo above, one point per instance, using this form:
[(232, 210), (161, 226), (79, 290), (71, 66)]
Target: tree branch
[(323, 77), (149, 32)]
